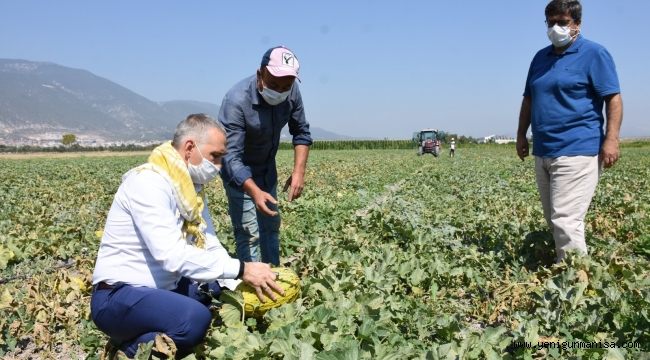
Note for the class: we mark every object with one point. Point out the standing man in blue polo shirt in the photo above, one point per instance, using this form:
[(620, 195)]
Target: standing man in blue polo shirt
[(568, 83), (253, 113)]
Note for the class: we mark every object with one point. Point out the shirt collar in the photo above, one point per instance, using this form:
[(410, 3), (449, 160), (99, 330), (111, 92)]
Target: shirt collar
[(252, 89), (577, 44)]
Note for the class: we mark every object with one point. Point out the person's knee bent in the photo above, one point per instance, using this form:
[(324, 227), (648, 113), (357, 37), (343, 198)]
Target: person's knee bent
[(195, 322)]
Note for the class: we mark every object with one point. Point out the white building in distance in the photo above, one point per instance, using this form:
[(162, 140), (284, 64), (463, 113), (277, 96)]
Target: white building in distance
[(499, 139)]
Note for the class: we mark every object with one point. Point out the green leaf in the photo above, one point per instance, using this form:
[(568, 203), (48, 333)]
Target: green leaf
[(417, 276), (492, 335), (5, 256), (456, 271), (6, 299), (306, 351), (281, 347), (366, 329), (231, 315), (614, 354)]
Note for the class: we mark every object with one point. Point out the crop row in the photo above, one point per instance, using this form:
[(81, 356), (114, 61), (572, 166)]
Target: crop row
[(399, 255)]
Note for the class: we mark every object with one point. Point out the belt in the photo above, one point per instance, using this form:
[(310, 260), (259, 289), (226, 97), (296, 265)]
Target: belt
[(104, 286)]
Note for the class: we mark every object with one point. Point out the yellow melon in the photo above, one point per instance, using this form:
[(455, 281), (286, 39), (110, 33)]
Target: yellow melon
[(288, 281)]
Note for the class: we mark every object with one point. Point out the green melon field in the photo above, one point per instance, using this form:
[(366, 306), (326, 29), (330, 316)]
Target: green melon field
[(401, 257)]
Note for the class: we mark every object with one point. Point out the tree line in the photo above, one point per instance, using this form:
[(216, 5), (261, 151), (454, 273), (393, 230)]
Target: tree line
[(69, 144)]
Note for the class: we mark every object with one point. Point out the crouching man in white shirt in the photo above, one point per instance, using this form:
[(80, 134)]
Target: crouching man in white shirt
[(159, 243)]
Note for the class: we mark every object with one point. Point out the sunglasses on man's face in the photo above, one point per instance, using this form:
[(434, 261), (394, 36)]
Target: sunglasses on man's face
[(559, 22)]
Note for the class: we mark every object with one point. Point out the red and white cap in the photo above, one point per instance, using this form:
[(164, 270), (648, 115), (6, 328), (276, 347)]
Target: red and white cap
[(281, 61)]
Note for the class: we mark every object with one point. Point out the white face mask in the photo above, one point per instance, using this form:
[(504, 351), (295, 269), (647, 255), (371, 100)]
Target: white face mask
[(203, 173), (273, 97), (560, 36)]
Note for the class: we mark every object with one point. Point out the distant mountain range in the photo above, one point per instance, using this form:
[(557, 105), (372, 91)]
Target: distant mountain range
[(40, 100)]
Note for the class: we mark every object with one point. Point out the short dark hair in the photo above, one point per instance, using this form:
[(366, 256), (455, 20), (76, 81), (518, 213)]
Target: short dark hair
[(560, 7), (195, 125)]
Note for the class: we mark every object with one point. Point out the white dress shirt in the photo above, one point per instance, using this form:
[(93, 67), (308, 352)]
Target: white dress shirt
[(143, 244)]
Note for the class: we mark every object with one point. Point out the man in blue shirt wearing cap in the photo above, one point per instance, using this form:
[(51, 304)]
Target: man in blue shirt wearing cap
[(568, 83), (253, 113)]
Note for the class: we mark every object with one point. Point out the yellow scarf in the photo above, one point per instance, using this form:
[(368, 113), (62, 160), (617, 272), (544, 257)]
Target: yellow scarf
[(166, 161)]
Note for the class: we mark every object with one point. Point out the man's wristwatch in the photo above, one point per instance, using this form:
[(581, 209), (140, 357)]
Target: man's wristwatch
[(241, 270)]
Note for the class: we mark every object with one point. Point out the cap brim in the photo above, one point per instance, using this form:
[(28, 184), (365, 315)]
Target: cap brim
[(280, 71)]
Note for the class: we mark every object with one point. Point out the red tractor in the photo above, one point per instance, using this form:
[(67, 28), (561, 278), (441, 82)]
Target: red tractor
[(427, 141)]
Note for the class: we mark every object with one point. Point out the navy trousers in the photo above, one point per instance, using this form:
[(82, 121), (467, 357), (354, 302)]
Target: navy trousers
[(132, 315)]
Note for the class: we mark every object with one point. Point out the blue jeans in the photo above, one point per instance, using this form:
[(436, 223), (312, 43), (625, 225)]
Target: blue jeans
[(132, 315), (257, 235)]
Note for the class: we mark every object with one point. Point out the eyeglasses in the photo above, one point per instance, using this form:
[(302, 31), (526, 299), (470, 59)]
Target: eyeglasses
[(561, 22)]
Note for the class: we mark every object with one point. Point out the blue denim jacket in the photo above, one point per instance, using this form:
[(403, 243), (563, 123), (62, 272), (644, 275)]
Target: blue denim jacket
[(253, 132)]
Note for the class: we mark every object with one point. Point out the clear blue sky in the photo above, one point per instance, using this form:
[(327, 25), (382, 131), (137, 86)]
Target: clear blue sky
[(369, 68)]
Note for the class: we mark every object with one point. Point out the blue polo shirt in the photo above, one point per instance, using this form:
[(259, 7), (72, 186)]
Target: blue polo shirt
[(253, 132), (567, 94)]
